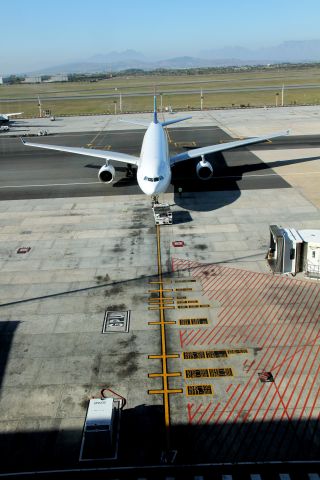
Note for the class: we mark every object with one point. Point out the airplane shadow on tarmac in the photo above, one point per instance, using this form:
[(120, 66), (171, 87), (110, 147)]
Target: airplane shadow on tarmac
[(242, 170), (228, 180), (204, 195)]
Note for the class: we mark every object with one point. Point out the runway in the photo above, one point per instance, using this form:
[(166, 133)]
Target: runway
[(183, 91), (28, 173)]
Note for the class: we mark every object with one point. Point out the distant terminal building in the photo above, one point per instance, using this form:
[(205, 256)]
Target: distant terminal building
[(46, 79), (57, 78), (37, 79)]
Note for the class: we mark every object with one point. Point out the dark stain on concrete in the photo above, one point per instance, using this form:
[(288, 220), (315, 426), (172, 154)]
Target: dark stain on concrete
[(201, 246), (102, 278)]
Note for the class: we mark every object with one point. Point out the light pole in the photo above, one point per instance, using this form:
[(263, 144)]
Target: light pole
[(40, 107), (115, 106), (201, 100), (161, 106), (277, 96), (282, 95), (120, 99)]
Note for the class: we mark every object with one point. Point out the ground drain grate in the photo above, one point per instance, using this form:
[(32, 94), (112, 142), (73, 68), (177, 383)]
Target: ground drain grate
[(199, 390), (116, 321), (193, 321), (208, 372)]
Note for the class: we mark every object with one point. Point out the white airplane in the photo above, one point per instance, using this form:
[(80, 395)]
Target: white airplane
[(154, 164), (5, 117)]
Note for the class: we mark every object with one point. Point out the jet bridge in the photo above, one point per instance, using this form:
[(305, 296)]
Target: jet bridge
[(293, 251), (284, 254)]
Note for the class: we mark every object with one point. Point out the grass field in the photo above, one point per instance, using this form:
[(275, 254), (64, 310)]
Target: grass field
[(25, 97)]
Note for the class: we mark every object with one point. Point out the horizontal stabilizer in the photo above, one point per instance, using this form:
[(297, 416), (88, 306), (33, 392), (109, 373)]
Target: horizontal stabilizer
[(142, 123), (174, 120)]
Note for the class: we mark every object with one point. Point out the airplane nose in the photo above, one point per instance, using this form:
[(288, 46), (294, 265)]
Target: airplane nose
[(148, 188), (152, 189)]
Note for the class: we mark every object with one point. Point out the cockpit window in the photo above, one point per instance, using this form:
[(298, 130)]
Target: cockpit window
[(155, 179)]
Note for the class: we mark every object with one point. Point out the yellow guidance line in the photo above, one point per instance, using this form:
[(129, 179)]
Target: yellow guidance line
[(163, 347)]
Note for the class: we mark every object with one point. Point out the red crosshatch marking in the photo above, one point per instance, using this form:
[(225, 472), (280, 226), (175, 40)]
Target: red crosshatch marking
[(279, 317)]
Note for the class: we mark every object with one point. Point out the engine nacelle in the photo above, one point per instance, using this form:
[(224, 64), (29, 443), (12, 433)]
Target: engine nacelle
[(204, 169), (106, 173)]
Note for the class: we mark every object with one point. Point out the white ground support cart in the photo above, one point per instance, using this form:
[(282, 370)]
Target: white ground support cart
[(162, 214)]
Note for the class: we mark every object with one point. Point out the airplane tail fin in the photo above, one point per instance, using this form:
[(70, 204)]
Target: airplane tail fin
[(155, 118)]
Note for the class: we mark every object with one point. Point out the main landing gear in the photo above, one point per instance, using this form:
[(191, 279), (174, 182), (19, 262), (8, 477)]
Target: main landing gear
[(130, 171)]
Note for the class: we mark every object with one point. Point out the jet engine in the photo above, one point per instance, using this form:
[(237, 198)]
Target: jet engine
[(106, 173), (204, 169)]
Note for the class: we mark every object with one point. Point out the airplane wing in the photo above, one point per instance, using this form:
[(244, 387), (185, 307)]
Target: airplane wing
[(89, 152), (13, 114), (197, 152)]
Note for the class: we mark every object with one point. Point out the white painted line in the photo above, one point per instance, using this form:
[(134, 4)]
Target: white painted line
[(312, 476), (243, 177), (47, 185), (216, 178)]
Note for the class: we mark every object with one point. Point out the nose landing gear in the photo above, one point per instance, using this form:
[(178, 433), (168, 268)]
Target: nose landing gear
[(155, 200)]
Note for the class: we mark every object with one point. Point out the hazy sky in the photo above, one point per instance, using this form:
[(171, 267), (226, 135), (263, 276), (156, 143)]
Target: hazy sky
[(36, 34)]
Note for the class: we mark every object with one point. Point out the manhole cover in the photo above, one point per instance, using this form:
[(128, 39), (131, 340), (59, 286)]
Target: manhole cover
[(23, 249), (178, 243), (266, 377), (116, 321)]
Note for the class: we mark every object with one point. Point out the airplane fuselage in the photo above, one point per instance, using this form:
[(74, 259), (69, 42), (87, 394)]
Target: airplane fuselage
[(154, 171)]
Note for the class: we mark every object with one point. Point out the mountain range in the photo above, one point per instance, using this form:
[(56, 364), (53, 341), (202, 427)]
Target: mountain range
[(289, 51)]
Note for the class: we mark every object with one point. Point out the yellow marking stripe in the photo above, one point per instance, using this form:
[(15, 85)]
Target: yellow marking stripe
[(167, 322), (173, 374), (170, 355), (162, 307), (185, 280), (164, 281), (193, 305), (165, 391), (162, 300), (161, 290), (187, 301)]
